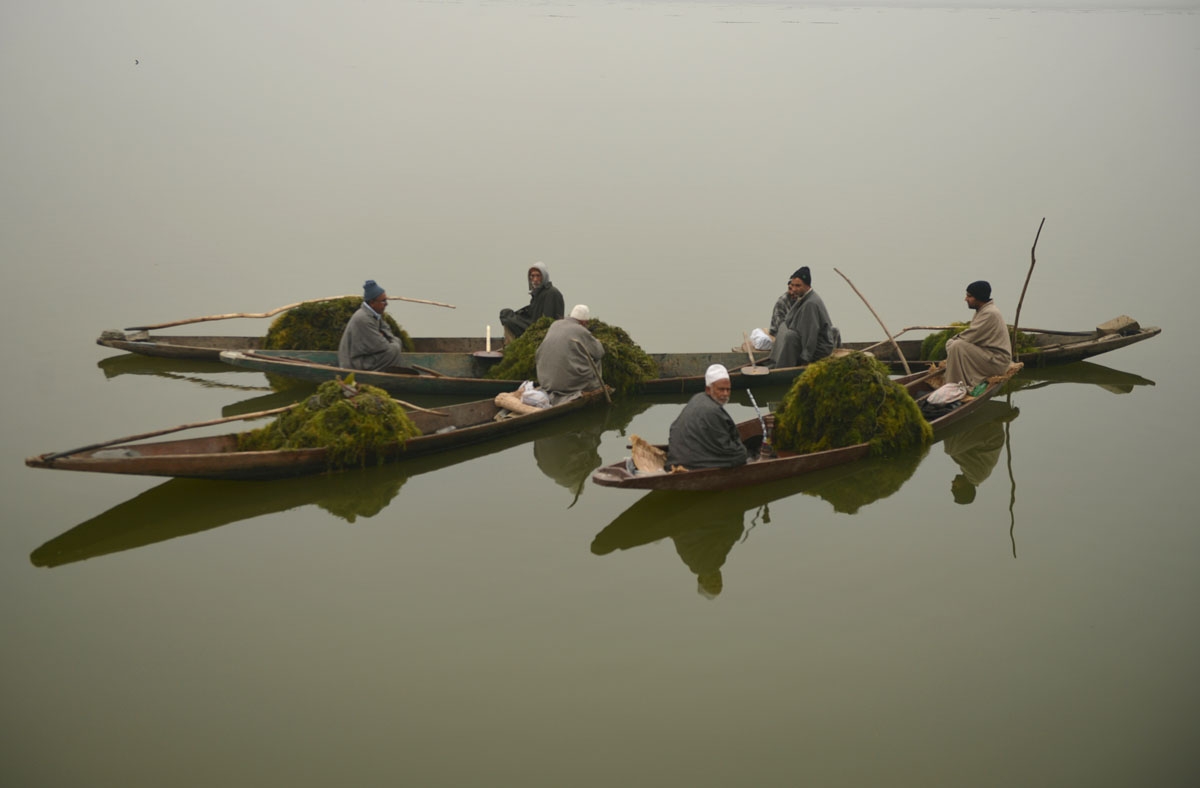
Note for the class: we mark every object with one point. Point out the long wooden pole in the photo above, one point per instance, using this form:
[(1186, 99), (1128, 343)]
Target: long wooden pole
[(275, 311), (156, 433), (1032, 262), (595, 369), (886, 333)]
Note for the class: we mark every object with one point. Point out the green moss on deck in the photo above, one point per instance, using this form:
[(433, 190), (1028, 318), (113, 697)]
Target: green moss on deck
[(354, 422), (624, 367), (844, 401), (319, 326)]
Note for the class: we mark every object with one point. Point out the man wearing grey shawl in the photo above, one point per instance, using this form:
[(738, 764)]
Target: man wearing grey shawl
[(569, 356), (806, 333), (367, 341), (704, 435), (983, 348), (544, 299)]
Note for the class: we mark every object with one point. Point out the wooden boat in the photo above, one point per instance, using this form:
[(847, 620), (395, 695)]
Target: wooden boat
[(462, 374), (208, 348), (217, 457), (787, 464)]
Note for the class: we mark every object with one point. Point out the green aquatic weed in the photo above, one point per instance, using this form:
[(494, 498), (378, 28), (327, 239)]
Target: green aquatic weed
[(625, 365), (319, 326), (844, 401), (354, 422)]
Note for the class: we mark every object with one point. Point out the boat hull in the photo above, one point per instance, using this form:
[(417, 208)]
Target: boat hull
[(216, 457)]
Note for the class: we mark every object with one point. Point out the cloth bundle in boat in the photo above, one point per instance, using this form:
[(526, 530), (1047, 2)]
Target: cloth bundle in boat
[(760, 339), (515, 401)]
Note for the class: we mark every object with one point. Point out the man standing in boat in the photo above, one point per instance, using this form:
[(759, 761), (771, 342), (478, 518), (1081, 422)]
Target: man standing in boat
[(806, 333), (983, 348), (367, 342), (569, 356), (704, 435), (544, 299)]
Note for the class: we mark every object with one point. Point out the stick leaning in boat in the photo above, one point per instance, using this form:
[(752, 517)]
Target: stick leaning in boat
[(275, 311), (209, 423)]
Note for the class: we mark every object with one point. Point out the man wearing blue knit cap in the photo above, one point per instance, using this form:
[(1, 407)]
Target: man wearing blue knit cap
[(368, 343)]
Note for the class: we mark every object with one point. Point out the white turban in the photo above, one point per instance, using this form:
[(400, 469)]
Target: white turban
[(714, 373), (580, 312)]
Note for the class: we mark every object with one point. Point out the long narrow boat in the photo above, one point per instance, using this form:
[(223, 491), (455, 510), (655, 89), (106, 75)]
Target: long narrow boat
[(462, 374), (787, 464), (208, 348), (217, 457)]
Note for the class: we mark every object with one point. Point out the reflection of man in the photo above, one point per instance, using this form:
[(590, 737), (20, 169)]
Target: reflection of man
[(569, 356), (705, 548), (976, 450), (983, 348), (367, 341), (704, 435), (806, 332), (569, 457)]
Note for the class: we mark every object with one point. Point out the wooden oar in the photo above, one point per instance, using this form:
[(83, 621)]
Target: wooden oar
[(156, 433), (886, 333), (274, 312), (1017, 317), (595, 369), (751, 368)]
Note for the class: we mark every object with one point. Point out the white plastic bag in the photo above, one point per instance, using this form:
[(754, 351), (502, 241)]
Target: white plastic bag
[(951, 392), (531, 395), (760, 339)]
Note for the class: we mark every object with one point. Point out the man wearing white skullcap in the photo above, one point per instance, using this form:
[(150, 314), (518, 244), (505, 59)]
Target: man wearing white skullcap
[(567, 355), (704, 435)]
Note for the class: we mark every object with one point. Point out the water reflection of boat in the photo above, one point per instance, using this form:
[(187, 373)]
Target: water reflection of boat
[(570, 455), (186, 506), (1113, 380), (706, 525), (176, 369)]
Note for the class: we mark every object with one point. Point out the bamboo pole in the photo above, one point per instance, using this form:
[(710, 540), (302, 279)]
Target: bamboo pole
[(1032, 262), (595, 369), (156, 433), (887, 333), (274, 312)]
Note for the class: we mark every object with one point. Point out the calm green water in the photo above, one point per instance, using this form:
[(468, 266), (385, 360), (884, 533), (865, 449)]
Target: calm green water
[(492, 617)]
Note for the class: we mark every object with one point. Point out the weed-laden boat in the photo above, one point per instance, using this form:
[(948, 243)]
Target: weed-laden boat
[(208, 348), (217, 457), (462, 374), (786, 464)]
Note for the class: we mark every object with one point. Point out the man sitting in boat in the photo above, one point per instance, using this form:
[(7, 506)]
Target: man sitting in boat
[(983, 348), (805, 334), (544, 299), (783, 304), (569, 356), (704, 435), (367, 342)]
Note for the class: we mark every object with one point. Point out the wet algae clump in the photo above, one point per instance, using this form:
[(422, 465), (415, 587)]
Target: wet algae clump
[(625, 366), (844, 401), (356, 423), (319, 326), (933, 347)]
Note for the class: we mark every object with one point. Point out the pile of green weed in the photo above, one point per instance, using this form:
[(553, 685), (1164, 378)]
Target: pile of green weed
[(843, 401), (319, 326), (353, 422), (625, 366), (933, 347)]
